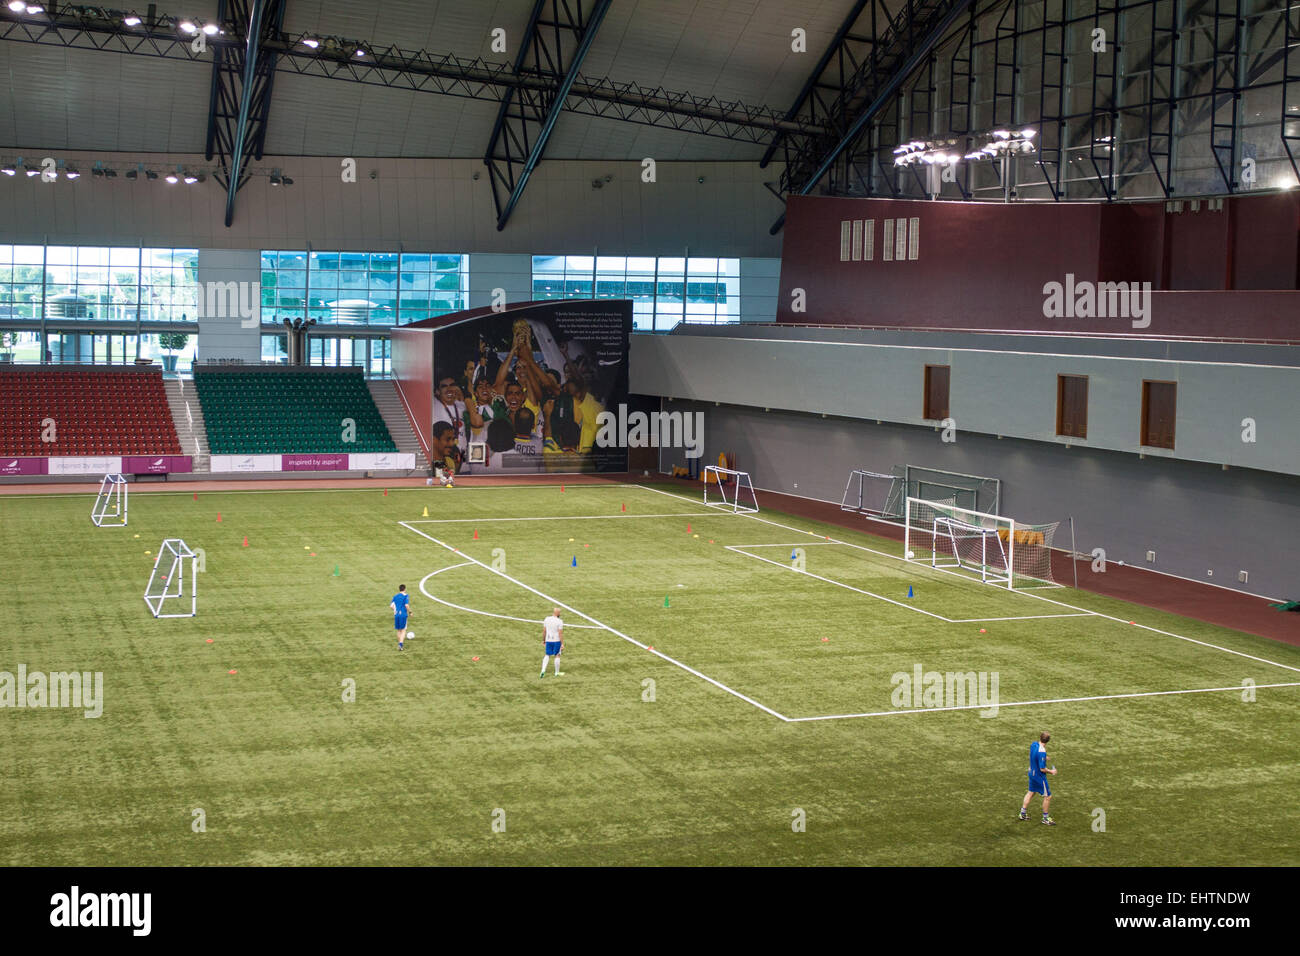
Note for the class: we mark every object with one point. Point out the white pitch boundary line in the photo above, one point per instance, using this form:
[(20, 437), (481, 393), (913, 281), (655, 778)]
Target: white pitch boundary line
[(558, 603), (1036, 597), (1029, 617), (1031, 703), (472, 610), (617, 517)]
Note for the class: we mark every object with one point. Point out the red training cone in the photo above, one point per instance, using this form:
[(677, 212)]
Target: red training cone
[(688, 527), (196, 496), (385, 492), (218, 517), (246, 541), (561, 488), (476, 534), (625, 506)]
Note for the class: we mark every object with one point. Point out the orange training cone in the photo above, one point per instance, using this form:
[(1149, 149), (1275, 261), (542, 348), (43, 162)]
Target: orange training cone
[(385, 492), (625, 506), (476, 534), (196, 496)]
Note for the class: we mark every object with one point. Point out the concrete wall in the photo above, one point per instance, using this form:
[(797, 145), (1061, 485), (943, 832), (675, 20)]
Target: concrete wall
[(225, 332), (1008, 393), (1196, 517)]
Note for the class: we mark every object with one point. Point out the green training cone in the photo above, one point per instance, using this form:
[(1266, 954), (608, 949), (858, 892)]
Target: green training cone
[(666, 604), (336, 571)]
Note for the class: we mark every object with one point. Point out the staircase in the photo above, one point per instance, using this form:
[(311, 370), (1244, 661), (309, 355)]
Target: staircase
[(188, 416), (390, 406)]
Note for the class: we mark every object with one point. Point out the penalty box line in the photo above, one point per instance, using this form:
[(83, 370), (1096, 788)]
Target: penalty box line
[(587, 617), (1036, 597)]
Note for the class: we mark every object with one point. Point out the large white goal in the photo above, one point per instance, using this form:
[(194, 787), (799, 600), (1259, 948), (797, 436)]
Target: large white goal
[(995, 549), (167, 581), (109, 510), (733, 490)]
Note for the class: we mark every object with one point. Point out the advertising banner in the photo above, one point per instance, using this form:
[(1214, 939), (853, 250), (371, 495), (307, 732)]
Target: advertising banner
[(85, 466), (24, 466), (312, 462)]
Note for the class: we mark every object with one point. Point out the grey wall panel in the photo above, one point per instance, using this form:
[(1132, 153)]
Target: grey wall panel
[(1196, 517), (992, 392)]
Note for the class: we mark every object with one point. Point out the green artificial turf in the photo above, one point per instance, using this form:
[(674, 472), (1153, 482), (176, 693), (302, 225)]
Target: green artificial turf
[(585, 769)]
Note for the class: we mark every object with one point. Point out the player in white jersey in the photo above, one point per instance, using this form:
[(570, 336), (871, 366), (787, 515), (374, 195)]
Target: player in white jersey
[(553, 636)]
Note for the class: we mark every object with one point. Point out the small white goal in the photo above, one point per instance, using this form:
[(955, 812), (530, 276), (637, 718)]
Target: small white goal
[(166, 590), (109, 510), (732, 490)]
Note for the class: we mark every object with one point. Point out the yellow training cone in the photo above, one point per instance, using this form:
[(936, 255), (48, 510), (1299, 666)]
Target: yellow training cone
[(426, 513)]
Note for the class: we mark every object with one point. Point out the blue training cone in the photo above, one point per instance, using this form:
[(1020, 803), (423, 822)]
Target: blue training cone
[(909, 590), (794, 556), (575, 560)]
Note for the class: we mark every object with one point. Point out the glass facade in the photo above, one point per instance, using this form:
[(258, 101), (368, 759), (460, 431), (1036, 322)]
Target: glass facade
[(98, 283), (72, 288), (362, 288), (664, 290)]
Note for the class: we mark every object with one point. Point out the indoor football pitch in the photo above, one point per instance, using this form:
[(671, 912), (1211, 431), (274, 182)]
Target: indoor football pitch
[(737, 689)]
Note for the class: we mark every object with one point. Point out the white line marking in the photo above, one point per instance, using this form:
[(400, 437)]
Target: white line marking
[(471, 610), (1030, 703), (617, 517), (1030, 617), (840, 584), (630, 640)]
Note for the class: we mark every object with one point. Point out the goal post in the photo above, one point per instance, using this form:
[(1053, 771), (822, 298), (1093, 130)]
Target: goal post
[(109, 510), (998, 549), (874, 494), (167, 581), (732, 490)]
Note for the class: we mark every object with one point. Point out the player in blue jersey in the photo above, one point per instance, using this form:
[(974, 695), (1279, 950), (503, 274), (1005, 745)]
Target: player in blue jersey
[(401, 607), (1038, 771)]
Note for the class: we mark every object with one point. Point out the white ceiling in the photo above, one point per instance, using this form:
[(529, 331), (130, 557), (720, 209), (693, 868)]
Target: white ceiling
[(58, 98)]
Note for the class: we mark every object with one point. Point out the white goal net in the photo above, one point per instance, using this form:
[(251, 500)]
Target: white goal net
[(109, 510), (166, 592), (729, 490), (996, 549)]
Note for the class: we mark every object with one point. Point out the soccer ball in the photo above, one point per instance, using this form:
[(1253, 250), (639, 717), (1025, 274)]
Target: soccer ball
[(410, 634), (911, 555)]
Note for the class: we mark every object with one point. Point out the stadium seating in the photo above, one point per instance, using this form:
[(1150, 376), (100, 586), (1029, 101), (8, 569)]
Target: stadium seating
[(100, 412), (288, 410)]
